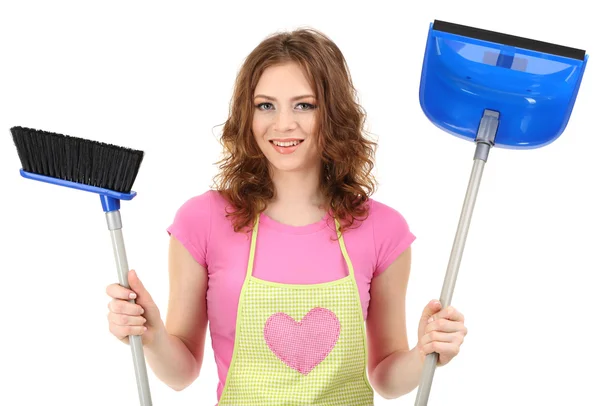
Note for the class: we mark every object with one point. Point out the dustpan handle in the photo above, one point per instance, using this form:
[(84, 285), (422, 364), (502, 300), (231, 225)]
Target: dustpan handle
[(451, 275), (485, 140), (113, 219)]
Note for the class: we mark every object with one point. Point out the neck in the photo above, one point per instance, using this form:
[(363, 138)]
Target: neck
[(298, 200), (297, 189)]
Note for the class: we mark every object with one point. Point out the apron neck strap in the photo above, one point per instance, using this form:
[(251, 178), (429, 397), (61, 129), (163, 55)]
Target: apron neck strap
[(253, 248), (343, 248)]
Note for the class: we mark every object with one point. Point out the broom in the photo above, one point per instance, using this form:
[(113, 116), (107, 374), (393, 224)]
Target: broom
[(91, 166)]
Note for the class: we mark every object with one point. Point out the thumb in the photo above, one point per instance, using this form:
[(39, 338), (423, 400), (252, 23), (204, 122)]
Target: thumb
[(144, 298), (432, 308)]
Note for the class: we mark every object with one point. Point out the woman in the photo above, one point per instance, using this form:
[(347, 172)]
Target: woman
[(289, 256)]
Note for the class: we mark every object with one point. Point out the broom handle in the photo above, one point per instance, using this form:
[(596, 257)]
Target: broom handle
[(113, 219), (485, 140)]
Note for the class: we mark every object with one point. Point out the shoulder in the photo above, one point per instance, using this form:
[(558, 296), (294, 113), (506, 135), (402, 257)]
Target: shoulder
[(202, 204), (378, 216), (193, 223), (196, 209), (201, 200), (209, 209), (381, 213)]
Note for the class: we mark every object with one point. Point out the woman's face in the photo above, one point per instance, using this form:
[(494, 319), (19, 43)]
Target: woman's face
[(284, 119)]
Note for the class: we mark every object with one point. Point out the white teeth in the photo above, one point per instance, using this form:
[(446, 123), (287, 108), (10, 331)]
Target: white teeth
[(286, 144)]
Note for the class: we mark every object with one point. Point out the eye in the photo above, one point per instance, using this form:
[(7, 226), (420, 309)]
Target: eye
[(307, 106), (261, 105)]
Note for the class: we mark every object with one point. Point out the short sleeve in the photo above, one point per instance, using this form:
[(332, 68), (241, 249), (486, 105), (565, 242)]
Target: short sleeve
[(391, 235), (191, 226)]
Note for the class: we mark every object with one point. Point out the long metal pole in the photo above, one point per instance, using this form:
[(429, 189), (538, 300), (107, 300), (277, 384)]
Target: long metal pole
[(486, 135), (113, 219)]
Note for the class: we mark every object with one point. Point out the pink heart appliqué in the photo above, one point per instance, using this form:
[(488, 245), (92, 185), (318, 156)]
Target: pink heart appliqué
[(302, 345)]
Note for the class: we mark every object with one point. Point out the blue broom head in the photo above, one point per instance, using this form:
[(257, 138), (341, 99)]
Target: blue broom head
[(531, 84)]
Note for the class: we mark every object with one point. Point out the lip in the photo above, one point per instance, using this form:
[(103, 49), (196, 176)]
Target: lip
[(286, 150)]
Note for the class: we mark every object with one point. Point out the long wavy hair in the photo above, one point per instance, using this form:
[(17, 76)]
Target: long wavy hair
[(347, 155)]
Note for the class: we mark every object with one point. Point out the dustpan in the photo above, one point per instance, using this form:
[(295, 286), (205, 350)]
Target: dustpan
[(492, 89)]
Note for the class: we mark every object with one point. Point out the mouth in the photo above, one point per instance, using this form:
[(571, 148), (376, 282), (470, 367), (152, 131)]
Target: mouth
[(286, 146), (287, 143)]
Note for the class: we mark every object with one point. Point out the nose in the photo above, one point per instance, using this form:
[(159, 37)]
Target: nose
[(284, 121)]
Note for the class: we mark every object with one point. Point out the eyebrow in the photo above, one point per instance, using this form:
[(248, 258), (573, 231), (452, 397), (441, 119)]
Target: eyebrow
[(293, 98)]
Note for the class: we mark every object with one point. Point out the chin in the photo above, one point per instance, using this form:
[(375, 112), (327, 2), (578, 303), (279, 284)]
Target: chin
[(298, 161), (288, 166)]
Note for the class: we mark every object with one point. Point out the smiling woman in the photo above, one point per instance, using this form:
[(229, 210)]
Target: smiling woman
[(310, 310)]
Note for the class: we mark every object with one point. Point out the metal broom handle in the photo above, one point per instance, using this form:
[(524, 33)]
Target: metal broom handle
[(113, 218), (486, 135)]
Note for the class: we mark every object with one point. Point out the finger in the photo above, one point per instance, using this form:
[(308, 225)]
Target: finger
[(123, 307), (453, 314), (117, 331), (439, 337), (450, 313), (442, 348), (125, 320), (123, 331), (117, 291), (445, 326)]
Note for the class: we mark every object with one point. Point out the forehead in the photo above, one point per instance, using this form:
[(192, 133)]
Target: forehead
[(283, 80)]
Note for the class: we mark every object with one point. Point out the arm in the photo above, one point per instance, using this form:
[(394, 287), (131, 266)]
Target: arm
[(176, 354), (394, 369)]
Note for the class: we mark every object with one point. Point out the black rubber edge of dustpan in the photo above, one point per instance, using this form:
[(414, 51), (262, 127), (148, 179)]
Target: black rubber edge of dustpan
[(510, 40)]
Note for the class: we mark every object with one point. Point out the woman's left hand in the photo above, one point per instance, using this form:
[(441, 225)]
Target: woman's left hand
[(442, 331)]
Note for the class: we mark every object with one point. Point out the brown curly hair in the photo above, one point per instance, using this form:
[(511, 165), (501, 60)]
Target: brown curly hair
[(348, 158)]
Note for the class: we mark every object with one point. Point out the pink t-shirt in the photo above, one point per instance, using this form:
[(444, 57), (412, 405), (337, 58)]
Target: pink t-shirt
[(284, 254)]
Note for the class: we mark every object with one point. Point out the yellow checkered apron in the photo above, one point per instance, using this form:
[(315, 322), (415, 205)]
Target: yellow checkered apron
[(298, 344)]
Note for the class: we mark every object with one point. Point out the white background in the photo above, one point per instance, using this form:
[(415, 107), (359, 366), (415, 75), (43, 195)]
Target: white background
[(158, 77)]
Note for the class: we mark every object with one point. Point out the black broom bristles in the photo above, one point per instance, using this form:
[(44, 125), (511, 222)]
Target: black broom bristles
[(77, 160)]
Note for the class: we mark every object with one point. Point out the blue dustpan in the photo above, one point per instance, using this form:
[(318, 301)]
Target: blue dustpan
[(496, 90), (532, 84)]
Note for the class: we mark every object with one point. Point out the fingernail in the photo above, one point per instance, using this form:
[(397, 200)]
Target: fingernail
[(132, 295)]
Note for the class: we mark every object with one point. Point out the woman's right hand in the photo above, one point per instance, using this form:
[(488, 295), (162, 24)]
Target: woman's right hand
[(139, 318)]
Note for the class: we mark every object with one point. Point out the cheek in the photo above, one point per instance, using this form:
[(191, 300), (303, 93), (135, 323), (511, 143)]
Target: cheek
[(259, 128), (308, 124)]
